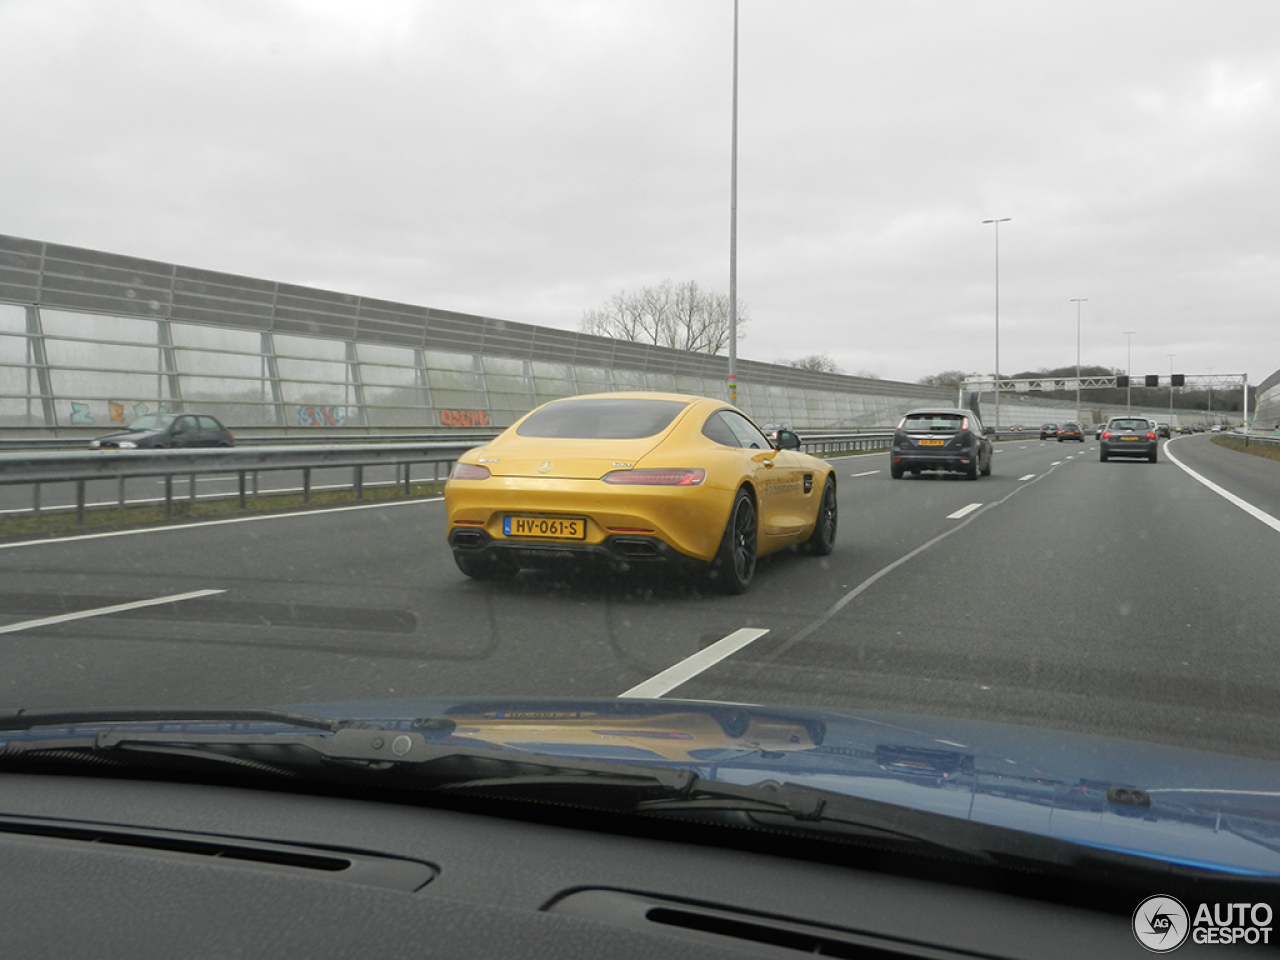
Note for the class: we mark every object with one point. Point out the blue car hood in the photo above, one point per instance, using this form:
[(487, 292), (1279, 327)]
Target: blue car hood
[(1180, 806)]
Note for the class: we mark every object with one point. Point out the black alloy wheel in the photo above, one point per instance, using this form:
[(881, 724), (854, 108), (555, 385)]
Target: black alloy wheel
[(823, 539), (735, 562)]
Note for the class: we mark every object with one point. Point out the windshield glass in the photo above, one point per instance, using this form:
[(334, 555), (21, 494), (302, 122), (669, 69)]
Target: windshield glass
[(493, 302)]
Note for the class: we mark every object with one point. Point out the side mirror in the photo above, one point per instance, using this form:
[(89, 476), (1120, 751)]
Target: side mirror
[(787, 440)]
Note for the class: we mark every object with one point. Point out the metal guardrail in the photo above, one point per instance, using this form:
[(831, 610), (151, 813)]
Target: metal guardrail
[(1252, 437), (81, 442), (80, 468), (246, 463)]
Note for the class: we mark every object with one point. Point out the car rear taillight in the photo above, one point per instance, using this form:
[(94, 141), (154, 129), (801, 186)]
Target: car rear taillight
[(1150, 435), (656, 478), (1106, 434), (469, 471)]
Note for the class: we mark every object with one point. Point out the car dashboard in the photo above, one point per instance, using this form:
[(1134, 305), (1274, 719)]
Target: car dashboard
[(137, 868)]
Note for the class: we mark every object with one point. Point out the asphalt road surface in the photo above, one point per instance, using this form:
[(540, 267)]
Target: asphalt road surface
[(1121, 598)]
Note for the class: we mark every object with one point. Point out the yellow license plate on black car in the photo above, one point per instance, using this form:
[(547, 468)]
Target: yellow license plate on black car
[(932, 443), (1128, 438), (555, 528)]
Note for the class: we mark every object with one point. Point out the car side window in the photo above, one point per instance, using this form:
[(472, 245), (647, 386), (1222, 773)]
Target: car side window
[(716, 429), (209, 425), (186, 425), (746, 432)]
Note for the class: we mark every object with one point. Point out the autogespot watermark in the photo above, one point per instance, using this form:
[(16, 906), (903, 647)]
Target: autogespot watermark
[(1162, 924)]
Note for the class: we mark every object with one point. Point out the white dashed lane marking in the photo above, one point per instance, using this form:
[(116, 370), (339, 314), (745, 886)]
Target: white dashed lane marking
[(1027, 477), (963, 511), (865, 473)]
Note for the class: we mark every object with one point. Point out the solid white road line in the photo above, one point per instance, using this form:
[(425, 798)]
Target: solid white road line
[(865, 473), (1255, 512), (103, 611), (963, 511), (17, 545), (690, 667)]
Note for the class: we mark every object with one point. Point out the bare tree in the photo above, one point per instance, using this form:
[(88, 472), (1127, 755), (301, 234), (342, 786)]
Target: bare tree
[(947, 378), (682, 316), (820, 362)]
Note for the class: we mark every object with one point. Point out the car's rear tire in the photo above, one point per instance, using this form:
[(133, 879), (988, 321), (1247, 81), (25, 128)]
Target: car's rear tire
[(485, 566), (823, 539), (735, 562), (1152, 457), (973, 471), (1103, 456), (895, 471), (986, 471)]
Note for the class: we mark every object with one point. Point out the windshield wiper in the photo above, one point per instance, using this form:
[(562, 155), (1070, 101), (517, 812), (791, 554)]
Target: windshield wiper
[(22, 719), (369, 755), (414, 761)]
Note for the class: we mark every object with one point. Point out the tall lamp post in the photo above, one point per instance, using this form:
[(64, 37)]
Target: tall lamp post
[(733, 224), (1077, 301), (1171, 356), (997, 222), (1129, 370)]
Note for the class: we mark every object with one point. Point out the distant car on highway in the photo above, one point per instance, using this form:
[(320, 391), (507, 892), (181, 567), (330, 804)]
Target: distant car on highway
[(1070, 431), (1163, 430), (160, 430), (1048, 431), (1129, 437), (945, 439)]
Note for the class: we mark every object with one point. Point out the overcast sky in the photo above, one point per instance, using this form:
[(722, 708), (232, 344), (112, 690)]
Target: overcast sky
[(525, 160)]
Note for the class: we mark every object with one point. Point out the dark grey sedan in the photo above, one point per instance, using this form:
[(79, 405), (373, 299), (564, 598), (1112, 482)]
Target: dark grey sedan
[(1129, 437), (950, 440), (158, 430)]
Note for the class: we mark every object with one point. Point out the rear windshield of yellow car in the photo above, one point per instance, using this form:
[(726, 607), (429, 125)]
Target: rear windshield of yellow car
[(603, 419), (933, 422)]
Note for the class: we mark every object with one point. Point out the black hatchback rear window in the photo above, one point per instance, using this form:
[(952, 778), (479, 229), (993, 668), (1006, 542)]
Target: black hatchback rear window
[(602, 419), (933, 422)]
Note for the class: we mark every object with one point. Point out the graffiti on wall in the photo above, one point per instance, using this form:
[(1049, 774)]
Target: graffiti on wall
[(117, 412), (322, 417), (464, 418)]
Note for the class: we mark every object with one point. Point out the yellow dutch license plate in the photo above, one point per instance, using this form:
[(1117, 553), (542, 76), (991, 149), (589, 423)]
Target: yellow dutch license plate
[(932, 443), (1128, 438), (556, 528)]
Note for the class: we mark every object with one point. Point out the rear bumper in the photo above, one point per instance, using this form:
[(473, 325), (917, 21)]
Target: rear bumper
[(1143, 449), (620, 549), (954, 461)]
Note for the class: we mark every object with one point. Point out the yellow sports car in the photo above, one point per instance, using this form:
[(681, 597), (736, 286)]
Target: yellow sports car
[(637, 477)]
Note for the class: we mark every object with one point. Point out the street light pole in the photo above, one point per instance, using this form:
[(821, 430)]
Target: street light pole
[(997, 222), (1129, 370), (1171, 356), (1077, 301), (733, 224)]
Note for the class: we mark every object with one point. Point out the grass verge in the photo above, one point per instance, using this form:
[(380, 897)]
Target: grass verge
[(152, 515), (1268, 451)]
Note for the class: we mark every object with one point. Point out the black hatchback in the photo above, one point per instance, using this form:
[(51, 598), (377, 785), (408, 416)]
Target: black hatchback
[(158, 430), (951, 440)]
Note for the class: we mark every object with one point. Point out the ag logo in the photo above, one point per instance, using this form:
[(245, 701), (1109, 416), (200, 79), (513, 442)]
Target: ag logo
[(1161, 924)]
